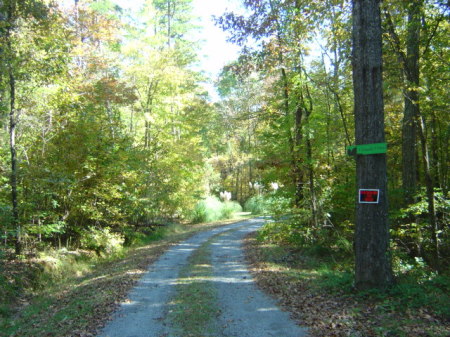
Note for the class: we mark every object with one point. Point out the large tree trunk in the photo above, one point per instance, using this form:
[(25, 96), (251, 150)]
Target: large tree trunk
[(372, 261)]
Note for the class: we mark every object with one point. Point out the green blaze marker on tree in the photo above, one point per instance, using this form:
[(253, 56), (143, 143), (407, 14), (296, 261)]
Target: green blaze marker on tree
[(366, 149)]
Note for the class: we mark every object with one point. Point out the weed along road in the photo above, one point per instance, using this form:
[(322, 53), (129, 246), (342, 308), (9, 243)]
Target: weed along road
[(201, 287)]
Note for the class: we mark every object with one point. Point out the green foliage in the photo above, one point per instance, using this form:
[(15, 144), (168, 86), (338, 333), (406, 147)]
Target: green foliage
[(207, 210), (102, 241), (420, 208), (409, 294), (105, 143), (268, 204), (433, 294), (47, 230), (282, 233), (58, 265), (411, 229), (212, 209), (335, 280), (295, 230), (5, 221), (114, 133), (319, 274), (256, 205), (17, 277), (278, 205), (9, 290), (229, 208)]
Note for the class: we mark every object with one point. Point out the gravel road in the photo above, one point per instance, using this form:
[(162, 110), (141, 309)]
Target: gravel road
[(245, 310)]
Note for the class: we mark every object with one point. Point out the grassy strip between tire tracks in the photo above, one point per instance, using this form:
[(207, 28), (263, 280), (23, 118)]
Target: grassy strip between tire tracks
[(194, 308), (80, 304)]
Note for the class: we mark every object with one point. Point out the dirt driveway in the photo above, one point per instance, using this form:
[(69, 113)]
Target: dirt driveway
[(244, 310)]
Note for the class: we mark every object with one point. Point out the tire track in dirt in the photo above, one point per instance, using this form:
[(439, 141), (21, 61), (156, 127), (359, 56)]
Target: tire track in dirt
[(245, 310)]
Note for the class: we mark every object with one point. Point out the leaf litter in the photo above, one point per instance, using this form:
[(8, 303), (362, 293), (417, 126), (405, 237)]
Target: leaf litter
[(339, 314)]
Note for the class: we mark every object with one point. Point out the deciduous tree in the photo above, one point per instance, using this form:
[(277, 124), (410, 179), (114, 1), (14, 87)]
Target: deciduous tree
[(372, 259)]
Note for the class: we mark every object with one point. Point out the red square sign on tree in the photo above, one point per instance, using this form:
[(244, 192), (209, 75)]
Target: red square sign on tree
[(369, 196)]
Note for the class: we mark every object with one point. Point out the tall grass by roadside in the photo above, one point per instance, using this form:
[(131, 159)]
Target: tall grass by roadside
[(212, 209)]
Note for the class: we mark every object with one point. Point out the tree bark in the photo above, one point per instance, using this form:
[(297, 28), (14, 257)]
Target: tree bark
[(307, 105), (372, 260), (296, 156), (411, 109), (429, 183)]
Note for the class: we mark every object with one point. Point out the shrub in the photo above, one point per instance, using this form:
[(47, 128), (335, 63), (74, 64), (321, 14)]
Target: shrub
[(274, 205), (283, 233), (102, 241), (229, 208), (277, 206), (256, 205), (212, 209)]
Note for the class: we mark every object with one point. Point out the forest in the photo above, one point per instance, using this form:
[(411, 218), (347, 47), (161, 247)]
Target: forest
[(106, 127)]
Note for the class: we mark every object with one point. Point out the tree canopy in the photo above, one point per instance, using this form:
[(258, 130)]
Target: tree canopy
[(105, 125)]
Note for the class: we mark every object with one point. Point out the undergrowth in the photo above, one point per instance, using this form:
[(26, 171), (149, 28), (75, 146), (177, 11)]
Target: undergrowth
[(328, 269)]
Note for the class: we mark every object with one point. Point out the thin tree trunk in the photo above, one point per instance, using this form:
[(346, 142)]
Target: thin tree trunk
[(12, 142), (169, 22), (131, 120), (312, 189), (148, 107), (147, 135), (250, 164), (435, 162), (237, 183), (411, 109), (240, 185), (372, 261), (294, 140), (430, 192), (296, 157), (413, 120)]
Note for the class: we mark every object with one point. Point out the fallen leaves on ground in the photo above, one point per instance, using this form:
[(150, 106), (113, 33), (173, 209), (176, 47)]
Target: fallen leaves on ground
[(335, 314)]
